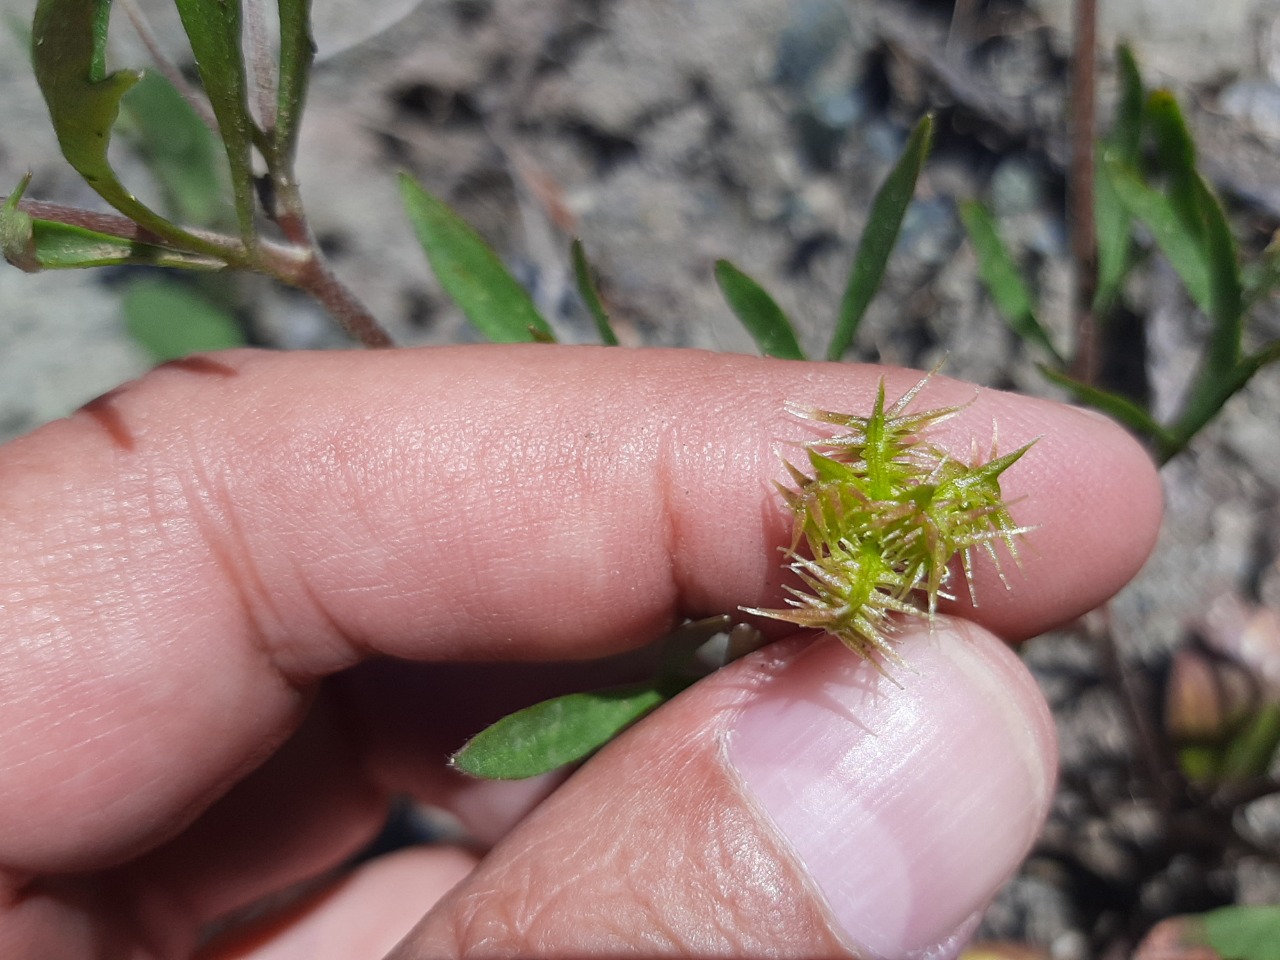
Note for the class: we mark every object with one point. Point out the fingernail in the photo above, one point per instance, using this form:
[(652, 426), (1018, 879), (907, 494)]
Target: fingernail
[(908, 804)]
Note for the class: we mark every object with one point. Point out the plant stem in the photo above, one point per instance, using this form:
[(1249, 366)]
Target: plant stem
[(1084, 242), (305, 267), (321, 282)]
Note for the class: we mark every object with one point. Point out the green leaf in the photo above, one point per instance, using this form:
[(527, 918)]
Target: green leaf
[(1122, 145), (759, 313), (297, 51), (1126, 133), (1244, 933), (214, 29), (33, 243), (878, 239), (1251, 750), (172, 320), (1115, 406), (62, 246), (1175, 147), (181, 151), (1113, 225), (1226, 298), (1003, 279), (69, 58), (1181, 244), (591, 296), (554, 733), (470, 271)]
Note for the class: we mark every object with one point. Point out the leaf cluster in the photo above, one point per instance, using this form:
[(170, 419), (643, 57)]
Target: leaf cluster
[(1147, 177)]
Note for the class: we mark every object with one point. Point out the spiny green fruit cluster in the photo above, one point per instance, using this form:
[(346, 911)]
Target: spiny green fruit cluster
[(880, 519)]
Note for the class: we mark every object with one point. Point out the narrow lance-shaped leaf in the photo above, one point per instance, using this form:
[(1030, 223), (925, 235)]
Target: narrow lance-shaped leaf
[(590, 295), (68, 40), (1122, 146), (1226, 293), (1176, 155), (62, 246), (759, 313), (470, 271), (1113, 227), (1182, 246), (887, 210), (297, 51), (1003, 279), (555, 732), (1126, 134), (214, 30), (1203, 218)]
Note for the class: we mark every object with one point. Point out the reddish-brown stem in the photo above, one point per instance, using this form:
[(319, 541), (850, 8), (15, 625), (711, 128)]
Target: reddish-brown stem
[(313, 276), (300, 266), (1080, 214)]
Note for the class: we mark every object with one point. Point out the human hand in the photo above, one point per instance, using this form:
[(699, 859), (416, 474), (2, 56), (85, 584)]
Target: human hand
[(205, 574)]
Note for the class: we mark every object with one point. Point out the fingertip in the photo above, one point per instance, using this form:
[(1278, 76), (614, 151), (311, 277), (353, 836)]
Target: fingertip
[(908, 799), (800, 803)]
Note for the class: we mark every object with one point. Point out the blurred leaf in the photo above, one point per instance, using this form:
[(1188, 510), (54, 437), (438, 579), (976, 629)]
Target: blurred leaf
[(297, 51), (878, 239), (68, 55), (181, 151), (1122, 145), (1003, 279), (1250, 752), (556, 732), (1113, 225), (1175, 149), (591, 296), (759, 313), (1115, 406), (1226, 296), (470, 271), (1182, 245), (1126, 132), (172, 320), (214, 30), (1244, 933), (19, 28)]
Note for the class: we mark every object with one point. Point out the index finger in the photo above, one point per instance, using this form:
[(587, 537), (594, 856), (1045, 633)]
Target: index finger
[(186, 557)]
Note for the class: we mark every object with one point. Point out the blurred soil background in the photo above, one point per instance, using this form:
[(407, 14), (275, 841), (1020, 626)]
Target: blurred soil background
[(668, 133)]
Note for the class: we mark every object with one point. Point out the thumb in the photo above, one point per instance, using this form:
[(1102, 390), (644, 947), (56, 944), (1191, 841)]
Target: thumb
[(797, 803)]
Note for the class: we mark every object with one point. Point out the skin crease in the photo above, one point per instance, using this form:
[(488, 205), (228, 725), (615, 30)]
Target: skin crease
[(183, 562)]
